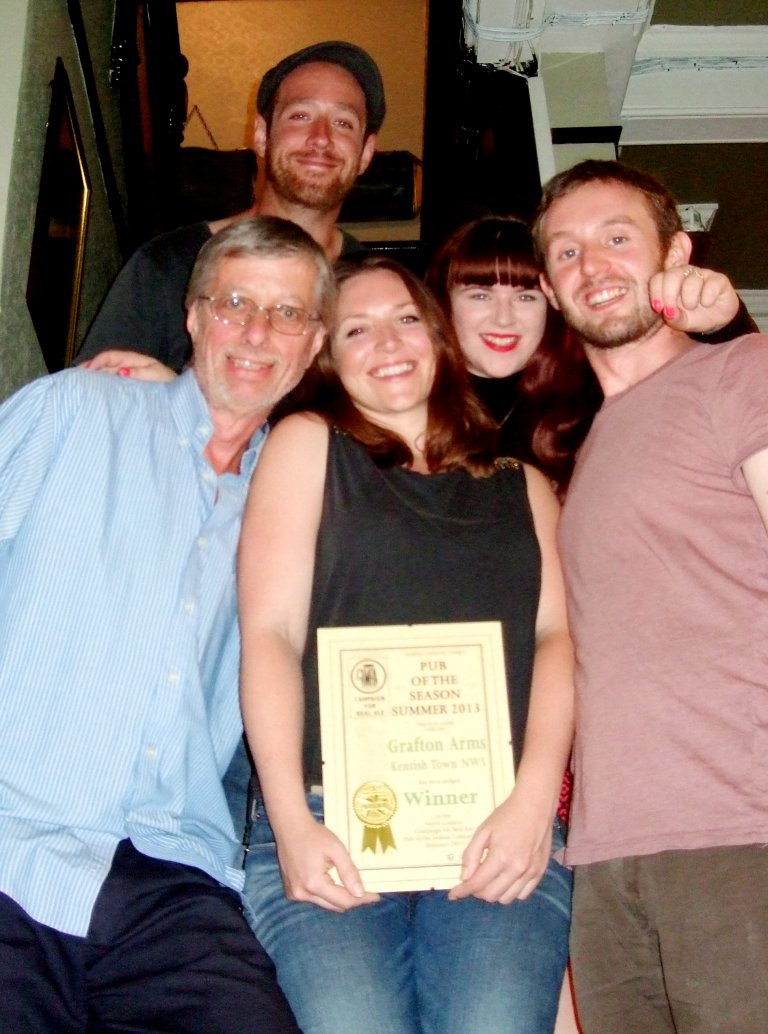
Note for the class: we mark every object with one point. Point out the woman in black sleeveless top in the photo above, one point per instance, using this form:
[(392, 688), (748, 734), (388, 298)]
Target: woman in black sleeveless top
[(387, 506)]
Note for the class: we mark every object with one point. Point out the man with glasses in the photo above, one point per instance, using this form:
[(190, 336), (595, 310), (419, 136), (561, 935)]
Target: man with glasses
[(319, 111), (120, 512)]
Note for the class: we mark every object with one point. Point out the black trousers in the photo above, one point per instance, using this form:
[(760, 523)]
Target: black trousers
[(168, 950)]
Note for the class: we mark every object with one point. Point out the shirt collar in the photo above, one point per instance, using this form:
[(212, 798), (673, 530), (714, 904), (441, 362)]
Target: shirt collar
[(193, 419)]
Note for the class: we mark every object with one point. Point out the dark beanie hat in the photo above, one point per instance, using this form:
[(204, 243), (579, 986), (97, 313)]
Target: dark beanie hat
[(355, 60)]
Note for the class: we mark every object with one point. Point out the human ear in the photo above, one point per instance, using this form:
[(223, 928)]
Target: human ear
[(192, 320), (367, 153), (549, 294), (260, 136), (679, 250), (316, 345)]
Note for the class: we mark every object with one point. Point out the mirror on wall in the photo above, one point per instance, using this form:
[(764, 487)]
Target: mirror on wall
[(61, 219), (222, 83)]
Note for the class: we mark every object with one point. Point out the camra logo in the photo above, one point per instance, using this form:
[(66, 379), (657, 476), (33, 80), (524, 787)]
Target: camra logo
[(368, 676)]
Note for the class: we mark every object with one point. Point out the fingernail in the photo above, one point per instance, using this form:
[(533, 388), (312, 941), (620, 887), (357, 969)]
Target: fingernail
[(124, 371), (657, 304), (670, 312), (86, 364)]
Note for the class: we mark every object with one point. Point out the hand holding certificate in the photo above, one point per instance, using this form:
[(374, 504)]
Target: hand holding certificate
[(416, 745)]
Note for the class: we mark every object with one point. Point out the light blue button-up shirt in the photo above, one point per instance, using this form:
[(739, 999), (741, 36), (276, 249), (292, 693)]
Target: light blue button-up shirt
[(118, 637)]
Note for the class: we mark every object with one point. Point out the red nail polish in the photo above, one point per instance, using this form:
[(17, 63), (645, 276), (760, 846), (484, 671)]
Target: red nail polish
[(670, 312), (657, 304), (124, 371)]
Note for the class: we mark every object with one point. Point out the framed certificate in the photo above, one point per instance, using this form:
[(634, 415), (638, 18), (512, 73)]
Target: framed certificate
[(416, 745)]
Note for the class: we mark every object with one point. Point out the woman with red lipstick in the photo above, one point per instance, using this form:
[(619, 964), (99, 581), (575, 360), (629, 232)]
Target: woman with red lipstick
[(385, 505), (486, 277)]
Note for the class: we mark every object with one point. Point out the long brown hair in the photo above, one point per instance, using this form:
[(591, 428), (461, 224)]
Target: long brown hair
[(460, 435), (557, 392), (560, 397)]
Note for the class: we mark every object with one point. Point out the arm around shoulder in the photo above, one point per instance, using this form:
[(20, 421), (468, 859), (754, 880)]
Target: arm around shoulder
[(701, 302), (129, 364)]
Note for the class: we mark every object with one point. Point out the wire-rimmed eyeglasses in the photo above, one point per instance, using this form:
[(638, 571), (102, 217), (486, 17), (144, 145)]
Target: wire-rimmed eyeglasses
[(237, 309)]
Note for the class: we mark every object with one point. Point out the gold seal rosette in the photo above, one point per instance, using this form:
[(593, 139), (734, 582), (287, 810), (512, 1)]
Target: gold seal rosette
[(375, 804)]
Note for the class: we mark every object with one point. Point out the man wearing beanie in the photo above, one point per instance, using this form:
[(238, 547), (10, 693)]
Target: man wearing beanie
[(318, 113)]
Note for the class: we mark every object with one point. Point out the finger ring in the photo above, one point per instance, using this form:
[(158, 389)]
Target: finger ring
[(692, 269)]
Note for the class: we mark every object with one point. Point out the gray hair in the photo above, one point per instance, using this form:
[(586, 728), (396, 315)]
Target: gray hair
[(263, 236)]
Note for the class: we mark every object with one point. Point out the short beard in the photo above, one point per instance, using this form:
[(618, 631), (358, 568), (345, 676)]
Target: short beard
[(623, 331), (321, 195)]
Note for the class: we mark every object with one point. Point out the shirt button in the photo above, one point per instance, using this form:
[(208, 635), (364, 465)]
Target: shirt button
[(206, 475), (173, 676), (189, 606), (202, 541), (151, 753)]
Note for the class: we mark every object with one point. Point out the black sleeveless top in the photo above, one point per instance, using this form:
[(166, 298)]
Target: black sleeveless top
[(396, 547)]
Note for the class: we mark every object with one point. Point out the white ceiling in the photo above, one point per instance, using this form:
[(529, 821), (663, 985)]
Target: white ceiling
[(698, 84), (664, 83)]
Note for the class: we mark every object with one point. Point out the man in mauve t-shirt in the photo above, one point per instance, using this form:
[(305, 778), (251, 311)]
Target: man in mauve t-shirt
[(664, 544)]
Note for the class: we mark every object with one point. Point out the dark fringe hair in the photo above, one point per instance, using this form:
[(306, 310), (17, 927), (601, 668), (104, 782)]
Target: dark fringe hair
[(558, 393), (490, 250), (460, 434)]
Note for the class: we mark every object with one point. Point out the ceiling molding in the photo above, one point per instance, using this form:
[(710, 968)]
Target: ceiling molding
[(725, 129), (669, 83), (698, 84), (703, 41)]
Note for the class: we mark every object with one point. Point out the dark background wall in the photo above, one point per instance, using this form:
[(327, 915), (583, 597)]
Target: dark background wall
[(734, 175), (709, 12)]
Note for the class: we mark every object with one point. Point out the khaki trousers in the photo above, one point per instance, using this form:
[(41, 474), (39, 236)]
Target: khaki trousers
[(673, 942)]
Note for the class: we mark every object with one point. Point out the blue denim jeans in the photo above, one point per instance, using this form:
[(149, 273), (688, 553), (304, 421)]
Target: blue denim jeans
[(414, 963)]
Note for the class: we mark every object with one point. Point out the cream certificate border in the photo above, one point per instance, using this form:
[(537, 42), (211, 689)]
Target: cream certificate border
[(416, 745)]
